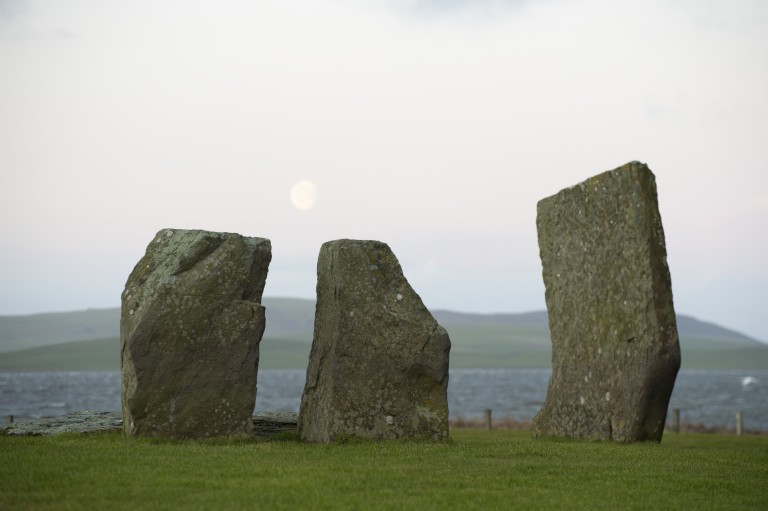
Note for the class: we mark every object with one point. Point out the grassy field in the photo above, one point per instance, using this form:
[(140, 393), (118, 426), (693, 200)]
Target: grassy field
[(104, 355), (20, 332), (477, 470), (88, 340), (91, 355), (473, 347)]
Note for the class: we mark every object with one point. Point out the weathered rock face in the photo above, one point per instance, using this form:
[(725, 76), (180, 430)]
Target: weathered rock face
[(190, 328), (615, 351), (379, 361)]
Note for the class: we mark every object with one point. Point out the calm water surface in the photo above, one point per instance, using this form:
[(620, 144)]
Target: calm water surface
[(709, 397)]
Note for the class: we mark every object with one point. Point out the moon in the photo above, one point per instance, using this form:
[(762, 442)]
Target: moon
[(304, 195)]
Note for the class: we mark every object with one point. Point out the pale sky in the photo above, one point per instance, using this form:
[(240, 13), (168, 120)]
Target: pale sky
[(435, 126)]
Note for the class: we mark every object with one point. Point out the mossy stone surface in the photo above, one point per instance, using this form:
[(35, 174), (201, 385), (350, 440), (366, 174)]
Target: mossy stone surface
[(190, 327), (615, 350), (379, 361)]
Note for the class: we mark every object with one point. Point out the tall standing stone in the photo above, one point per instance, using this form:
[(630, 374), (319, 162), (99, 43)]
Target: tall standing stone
[(615, 351), (379, 361), (190, 328)]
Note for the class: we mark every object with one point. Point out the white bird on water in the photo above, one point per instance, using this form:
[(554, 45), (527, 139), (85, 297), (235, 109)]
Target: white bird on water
[(746, 381)]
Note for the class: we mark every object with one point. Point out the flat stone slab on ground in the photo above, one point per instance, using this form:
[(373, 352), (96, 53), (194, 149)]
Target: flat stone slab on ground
[(79, 422), (265, 424)]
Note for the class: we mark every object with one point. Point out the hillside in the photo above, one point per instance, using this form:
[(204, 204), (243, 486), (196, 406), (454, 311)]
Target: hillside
[(21, 332), (89, 340)]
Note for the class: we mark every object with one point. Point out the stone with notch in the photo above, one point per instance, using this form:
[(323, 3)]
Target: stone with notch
[(615, 350), (379, 362), (190, 327)]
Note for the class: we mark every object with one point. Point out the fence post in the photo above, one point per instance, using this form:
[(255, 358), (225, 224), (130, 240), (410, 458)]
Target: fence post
[(676, 420), (10, 419), (739, 423), (488, 422)]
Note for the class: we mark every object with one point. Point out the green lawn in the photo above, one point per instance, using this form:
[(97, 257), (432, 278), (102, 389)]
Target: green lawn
[(477, 470)]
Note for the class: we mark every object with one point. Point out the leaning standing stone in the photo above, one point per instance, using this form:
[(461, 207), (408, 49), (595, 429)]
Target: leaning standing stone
[(615, 351), (190, 329), (379, 361)]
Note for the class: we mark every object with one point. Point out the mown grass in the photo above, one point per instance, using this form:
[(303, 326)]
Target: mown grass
[(477, 470)]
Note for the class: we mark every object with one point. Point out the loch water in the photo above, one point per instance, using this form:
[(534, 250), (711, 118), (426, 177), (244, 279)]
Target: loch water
[(707, 397)]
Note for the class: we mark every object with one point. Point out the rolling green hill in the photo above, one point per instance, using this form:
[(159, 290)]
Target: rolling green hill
[(90, 355), (89, 340), (23, 332)]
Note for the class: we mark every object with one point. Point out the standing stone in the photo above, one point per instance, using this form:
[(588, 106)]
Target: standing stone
[(379, 361), (190, 328), (615, 351)]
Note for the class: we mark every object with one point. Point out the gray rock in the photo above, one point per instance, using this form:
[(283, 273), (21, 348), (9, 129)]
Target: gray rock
[(265, 424), (190, 328), (379, 361), (79, 422), (615, 351)]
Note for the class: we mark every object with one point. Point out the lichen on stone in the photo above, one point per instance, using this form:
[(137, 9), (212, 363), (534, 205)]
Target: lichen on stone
[(190, 327), (378, 367), (611, 315)]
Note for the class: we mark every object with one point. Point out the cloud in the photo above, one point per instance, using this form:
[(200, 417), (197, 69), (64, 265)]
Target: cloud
[(433, 125), (431, 9), (746, 15), (20, 21), (11, 9)]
